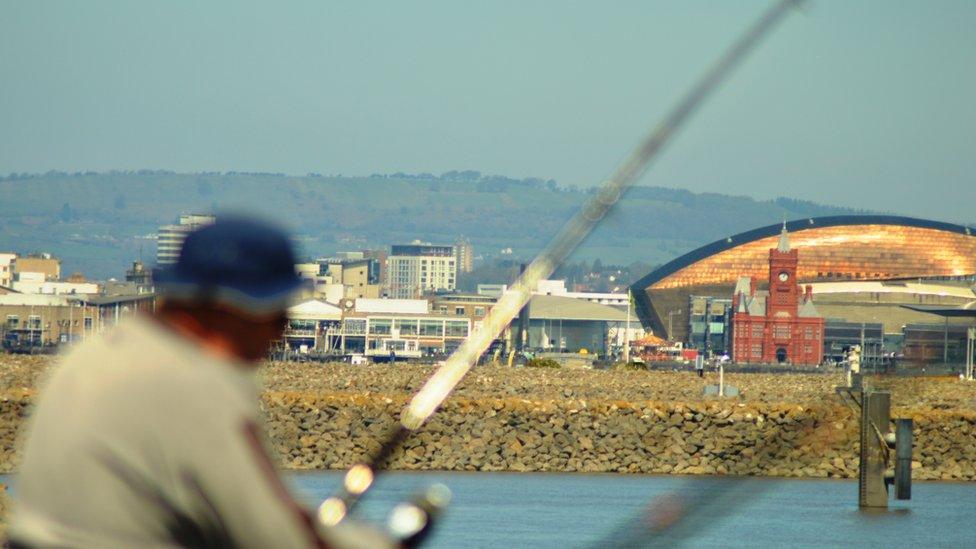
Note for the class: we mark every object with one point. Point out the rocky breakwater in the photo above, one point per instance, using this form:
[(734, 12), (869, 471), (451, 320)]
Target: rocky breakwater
[(572, 435), (502, 419), (616, 421)]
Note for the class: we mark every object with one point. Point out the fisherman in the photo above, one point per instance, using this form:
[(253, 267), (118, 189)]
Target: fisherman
[(150, 435)]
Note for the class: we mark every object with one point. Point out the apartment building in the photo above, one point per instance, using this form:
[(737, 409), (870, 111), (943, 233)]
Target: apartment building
[(465, 255), (169, 239), (417, 268), (6, 269)]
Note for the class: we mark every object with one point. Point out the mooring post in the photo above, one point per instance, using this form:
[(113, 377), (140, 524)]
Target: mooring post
[(875, 416), (877, 444)]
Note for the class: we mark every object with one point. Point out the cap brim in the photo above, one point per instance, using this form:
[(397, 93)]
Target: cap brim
[(257, 301)]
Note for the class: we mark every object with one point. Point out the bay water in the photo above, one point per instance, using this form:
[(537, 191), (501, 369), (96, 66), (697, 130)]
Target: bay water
[(586, 510), (580, 510)]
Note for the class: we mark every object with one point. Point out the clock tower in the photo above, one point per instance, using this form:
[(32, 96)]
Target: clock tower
[(784, 292), (781, 325)]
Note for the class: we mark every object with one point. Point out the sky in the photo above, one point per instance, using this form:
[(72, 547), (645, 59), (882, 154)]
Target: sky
[(868, 104)]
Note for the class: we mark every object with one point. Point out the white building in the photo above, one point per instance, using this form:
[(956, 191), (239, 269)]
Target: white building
[(313, 325), (6, 268), (169, 239), (30, 285), (492, 290), (558, 288), (413, 269)]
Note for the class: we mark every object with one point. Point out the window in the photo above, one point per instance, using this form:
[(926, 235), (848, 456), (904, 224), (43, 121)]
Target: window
[(442, 309), (407, 326), (302, 325), (34, 322), (433, 328), (457, 328), (380, 326), (13, 322), (459, 311), (479, 311)]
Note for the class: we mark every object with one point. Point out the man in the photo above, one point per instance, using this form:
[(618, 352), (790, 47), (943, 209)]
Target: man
[(149, 435)]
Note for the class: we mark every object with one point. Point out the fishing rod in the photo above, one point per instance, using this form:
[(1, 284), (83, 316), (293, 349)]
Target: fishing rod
[(361, 477)]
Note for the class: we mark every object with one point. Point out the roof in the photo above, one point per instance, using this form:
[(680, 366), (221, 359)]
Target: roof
[(808, 310), (36, 300), (968, 310), (784, 240), (794, 226), (408, 306), (314, 309), (102, 300), (650, 340), (553, 307), (920, 288)]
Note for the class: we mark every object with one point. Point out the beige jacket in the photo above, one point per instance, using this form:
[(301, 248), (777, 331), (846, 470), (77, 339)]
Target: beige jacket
[(142, 439)]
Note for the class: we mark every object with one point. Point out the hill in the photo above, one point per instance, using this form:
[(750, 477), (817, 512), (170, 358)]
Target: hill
[(99, 222)]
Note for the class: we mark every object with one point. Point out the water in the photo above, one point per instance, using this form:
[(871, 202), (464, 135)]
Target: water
[(572, 510), (576, 510)]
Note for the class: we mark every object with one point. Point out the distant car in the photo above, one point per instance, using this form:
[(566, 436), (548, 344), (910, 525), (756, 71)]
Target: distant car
[(358, 359)]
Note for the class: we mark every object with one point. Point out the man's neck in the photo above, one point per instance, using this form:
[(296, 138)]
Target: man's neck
[(210, 341)]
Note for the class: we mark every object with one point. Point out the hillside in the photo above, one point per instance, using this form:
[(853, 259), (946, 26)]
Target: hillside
[(98, 222)]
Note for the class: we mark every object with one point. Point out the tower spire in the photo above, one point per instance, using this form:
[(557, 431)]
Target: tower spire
[(784, 239)]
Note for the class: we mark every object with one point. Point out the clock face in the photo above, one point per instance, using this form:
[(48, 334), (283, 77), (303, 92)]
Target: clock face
[(784, 276)]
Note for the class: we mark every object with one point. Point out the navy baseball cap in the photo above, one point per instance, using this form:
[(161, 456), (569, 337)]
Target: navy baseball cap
[(239, 261)]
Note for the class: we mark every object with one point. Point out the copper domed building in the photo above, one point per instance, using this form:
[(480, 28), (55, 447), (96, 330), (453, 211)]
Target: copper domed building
[(884, 250)]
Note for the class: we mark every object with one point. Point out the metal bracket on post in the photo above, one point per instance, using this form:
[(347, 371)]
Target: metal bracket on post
[(903, 458)]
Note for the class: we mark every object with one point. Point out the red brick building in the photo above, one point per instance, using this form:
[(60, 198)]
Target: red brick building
[(780, 325)]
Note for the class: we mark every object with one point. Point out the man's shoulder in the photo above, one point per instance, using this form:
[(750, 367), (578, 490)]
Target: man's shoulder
[(141, 356)]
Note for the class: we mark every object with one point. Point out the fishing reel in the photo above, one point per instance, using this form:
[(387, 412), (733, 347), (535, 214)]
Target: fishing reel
[(411, 522), (408, 524)]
